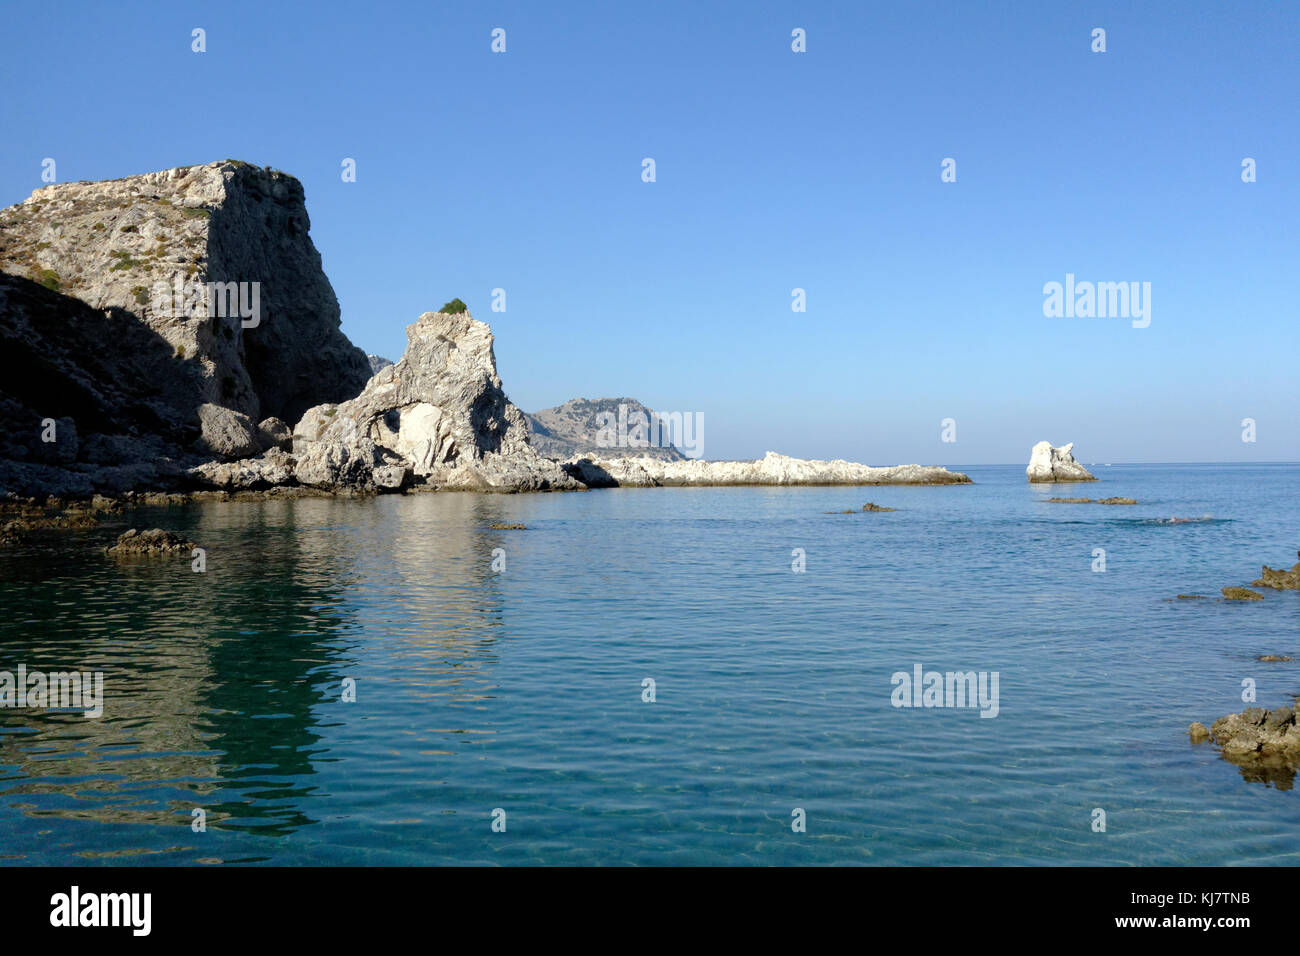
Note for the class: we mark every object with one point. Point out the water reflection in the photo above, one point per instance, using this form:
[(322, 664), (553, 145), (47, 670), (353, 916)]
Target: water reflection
[(223, 689)]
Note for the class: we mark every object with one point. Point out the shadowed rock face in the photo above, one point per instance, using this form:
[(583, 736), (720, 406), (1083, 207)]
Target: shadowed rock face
[(1047, 463), (112, 386), (573, 430), (109, 244)]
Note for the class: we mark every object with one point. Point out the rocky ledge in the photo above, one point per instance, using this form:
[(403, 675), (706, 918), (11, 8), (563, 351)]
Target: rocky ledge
[(772, 469), (1048, 463)]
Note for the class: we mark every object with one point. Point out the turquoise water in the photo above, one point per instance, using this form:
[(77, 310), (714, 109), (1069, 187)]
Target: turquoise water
[(522, 689)]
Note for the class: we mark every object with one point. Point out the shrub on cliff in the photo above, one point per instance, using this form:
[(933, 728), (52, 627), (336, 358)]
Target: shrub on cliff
[(454, 307)]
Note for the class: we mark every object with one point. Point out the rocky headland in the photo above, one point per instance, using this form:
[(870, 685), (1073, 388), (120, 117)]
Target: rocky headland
[(573, 430), (173, 334)]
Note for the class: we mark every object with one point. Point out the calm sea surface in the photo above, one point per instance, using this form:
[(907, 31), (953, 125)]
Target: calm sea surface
[(521, 689)]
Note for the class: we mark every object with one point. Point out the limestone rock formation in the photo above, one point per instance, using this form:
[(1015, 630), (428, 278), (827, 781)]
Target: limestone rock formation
[(584, 428), (772, 469), (153, 246), (377, 363), (1048, 463), (437, 418)]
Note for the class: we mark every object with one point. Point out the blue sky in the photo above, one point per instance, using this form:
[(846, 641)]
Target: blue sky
[(775, 170)]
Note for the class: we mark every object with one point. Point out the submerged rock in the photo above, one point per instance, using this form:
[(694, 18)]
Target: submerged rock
[(498, 526), (874, 507), (1048, 463), (152, 543)]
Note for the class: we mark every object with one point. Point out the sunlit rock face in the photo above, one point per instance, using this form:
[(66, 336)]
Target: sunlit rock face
[(440, 414), (1047, 463)]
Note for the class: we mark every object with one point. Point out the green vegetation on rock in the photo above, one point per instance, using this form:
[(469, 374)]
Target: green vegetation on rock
[(454, 307)]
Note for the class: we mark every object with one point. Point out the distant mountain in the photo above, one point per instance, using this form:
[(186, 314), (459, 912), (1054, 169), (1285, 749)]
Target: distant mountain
[(377, 362), (571, 429)]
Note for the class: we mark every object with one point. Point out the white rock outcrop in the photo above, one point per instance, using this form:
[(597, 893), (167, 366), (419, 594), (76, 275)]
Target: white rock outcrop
[(1048, 463), (771, 469), (439, 417)]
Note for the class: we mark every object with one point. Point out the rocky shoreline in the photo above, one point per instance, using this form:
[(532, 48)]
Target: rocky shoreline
[(174, 333)]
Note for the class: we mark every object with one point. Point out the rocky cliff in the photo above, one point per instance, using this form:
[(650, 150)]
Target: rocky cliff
[(217, 263), (575, 429)]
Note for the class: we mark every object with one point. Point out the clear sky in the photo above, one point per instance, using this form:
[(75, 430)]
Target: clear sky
[(775, 170)]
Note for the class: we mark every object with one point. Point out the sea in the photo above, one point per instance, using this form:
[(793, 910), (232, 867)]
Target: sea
[(662, 677)]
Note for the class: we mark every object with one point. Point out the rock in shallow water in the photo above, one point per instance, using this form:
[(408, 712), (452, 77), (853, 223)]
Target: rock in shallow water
[(152, 543)]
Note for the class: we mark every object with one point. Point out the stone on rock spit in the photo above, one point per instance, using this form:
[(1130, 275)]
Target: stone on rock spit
[(1198, 732), (1273, 658), (1117, 501), (152, 543), (226, 433), (1048, 463), (273, 433), (498, 526), (1241, 594), (874, 507)]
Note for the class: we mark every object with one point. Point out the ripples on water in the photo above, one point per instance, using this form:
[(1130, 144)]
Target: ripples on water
[(522, 689)]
